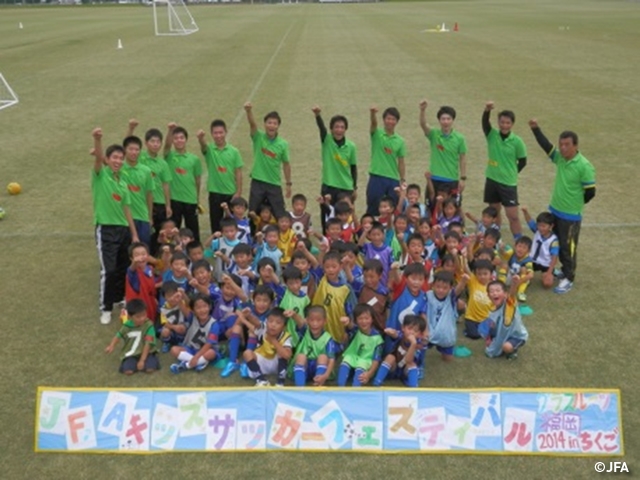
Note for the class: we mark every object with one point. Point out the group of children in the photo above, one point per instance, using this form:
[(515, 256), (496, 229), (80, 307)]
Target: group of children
[(361, 302)]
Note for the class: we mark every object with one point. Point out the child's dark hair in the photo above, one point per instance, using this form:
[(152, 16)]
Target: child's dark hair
[(266, 261), (446, 258), (366, 215), (509, 114), (502, 285), (273, 114), (132, 139), (262, 207), (445, 110), (202, 297), (218, 123), (414, 186), (546, 218), (241, 248), (424, 220), (135, 307), (338, 118), (490, 212), (414, 269), (350, 247), (342, 208), (333, 221), (377, 226), (453, 225), (170, 287), (192, 245), (393, 111), (111, 149), (179, 256), (455, 235), (493, 233), (486, 251), (238, 201), (524, 240), (451, 201), (443, 276), (299, 255), (316, 309), (360, 309), (415, 237), (291, 273), (270, 229), (482, 265), (201, 264), (277, 312), (387, 199), (415, 321), (265, 291), (331, 255), (185, 232), (402, 216), (373, 264), (181, 130), (135, 245), (228, 222), (298, 197), (235, 279), (153, 133), (286, 215)]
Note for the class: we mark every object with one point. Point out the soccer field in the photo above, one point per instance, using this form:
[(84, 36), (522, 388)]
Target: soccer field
[(571, 64)]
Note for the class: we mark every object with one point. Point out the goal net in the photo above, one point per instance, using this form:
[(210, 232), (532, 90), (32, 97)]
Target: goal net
[(172, 17), (7, 96)]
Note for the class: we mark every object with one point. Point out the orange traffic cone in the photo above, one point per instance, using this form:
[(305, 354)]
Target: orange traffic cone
[(455, 27)]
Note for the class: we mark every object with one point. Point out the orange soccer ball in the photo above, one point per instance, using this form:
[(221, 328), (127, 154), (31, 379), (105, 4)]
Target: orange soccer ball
[(14, 188)]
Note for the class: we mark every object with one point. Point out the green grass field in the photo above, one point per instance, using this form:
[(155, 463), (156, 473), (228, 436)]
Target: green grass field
[(69, 76)]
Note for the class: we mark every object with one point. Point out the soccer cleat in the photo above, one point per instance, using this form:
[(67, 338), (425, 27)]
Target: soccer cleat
[(105, 318), (280, 384), (564, 286), (512, 356), (178, 367), (201, 366), (522, 297), (262, 383), (165, 347), (557, 272), (229, 369)]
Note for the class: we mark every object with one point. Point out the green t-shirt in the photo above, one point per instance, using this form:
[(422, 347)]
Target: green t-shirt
[(362, 350), (110, 194), (135, 338), (502, 166), (184, 168), (159, 174), (445, 154), (336, 163), (572, 177), (312, 348), (268, 155), (221, 165), (139, 181), (297, 303), (385, 152)]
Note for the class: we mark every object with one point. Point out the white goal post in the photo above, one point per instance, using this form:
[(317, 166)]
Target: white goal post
[(8, 97), (172, 17)]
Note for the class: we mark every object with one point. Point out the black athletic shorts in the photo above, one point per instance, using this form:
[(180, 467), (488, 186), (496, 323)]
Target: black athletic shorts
[(130, 364), (495, 192)]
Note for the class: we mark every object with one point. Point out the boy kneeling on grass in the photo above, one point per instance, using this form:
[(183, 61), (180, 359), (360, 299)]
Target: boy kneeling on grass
[(139, 335)]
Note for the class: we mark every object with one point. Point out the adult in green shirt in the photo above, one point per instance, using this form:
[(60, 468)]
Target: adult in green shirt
[(270, 153), (574, 186), (224, 167), (140, 184), (152, 158), (185, 170), (115, 229), (339, 162), (388, 149), (448, 151), (507, 157)]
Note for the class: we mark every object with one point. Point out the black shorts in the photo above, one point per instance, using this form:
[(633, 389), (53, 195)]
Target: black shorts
[(495, 192), (130, 364), (540, 268), (450, 187)]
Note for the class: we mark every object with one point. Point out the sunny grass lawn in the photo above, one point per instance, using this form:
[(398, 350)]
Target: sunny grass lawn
[(69, 76)]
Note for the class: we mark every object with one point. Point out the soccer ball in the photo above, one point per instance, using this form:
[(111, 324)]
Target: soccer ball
[(2, 213), (14, 188)]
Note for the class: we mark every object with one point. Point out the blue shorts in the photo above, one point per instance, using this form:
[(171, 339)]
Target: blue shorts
[(442, 350), (516, 343), (130, 364)]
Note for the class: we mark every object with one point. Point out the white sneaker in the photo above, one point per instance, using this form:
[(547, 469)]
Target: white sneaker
[(564, 286), (262, 383), (105, 318)]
